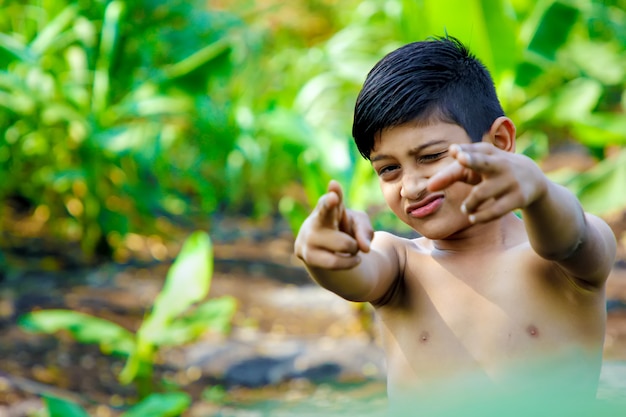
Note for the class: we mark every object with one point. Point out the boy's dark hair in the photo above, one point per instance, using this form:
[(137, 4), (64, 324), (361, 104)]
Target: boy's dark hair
[(437, 79)]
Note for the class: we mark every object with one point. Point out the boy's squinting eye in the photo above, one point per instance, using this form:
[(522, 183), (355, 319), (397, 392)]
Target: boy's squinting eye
[(386, 170), (432, 157)]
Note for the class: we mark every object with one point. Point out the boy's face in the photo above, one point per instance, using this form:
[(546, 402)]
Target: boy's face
[(405, 157)]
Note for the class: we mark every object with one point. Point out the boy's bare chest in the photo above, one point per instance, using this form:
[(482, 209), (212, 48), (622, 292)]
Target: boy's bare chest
[(483, 314)]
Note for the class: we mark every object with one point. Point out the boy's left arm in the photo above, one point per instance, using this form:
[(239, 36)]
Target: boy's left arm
[(559, 230), (557, 226)]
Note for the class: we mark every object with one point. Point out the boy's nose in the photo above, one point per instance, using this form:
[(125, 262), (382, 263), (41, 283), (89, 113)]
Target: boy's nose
[(413, 186)]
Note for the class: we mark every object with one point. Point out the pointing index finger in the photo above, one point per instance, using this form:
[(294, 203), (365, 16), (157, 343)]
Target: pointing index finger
[(479, 157), (329, 206), (448, 176)]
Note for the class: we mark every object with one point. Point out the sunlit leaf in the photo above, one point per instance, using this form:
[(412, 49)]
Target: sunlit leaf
[(286, 126), (600, 60), (601, 129), (124, 139), (576, 99), (213, 315), (489, 28), (602, 191), (155, 105), (83, 327), (18, 102), (13, 47), (48, 36), (108, 45), (187, 282)]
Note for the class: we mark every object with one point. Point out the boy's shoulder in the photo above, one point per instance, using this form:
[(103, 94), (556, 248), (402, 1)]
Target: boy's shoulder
[(400, 245), (395, 239)]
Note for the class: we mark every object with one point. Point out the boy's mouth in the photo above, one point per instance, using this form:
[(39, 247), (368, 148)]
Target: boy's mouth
[(425, 207)]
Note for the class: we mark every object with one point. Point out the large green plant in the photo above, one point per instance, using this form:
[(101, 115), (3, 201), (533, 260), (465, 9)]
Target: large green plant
[(179, 315), (114, 113)]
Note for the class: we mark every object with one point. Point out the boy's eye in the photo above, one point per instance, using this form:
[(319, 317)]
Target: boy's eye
[(432, 157), (387, 170)]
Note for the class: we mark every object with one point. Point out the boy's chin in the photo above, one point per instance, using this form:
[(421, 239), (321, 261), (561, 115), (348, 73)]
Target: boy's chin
[(440, 232)]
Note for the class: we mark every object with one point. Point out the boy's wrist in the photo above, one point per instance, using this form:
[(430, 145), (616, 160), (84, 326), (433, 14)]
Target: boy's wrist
[(541, 192)]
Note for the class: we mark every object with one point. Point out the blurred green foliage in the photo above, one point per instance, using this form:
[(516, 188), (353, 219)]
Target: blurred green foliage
[(180, 314), (115, 114), (170, 404)]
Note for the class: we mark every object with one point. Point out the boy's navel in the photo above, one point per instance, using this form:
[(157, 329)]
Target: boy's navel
[(424, 336), (532, 330)]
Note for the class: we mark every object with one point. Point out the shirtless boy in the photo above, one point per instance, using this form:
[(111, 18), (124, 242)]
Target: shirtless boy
[(482, 291)]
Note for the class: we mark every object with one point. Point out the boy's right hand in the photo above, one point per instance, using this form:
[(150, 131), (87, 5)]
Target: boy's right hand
[(332, 236)]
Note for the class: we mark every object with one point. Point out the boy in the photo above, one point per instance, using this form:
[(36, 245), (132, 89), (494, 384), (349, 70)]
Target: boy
[(483, 299)]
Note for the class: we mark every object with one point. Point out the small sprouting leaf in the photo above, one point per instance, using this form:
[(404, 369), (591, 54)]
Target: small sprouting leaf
[(215, 314), (160, 405), (188, 279)]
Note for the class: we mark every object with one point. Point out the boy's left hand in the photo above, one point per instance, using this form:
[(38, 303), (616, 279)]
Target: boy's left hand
[(503, 181)]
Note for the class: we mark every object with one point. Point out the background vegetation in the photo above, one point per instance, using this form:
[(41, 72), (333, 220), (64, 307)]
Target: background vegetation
[(121, 117)]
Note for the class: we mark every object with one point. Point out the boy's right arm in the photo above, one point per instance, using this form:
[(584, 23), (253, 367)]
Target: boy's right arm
[(338, 250)]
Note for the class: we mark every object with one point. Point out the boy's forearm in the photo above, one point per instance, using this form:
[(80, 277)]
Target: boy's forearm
[(355, 284), (560, 230), (365, 282), (555, 222)]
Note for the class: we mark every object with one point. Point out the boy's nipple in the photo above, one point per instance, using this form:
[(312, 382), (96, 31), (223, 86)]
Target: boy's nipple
[(424, 336), (532, 330)]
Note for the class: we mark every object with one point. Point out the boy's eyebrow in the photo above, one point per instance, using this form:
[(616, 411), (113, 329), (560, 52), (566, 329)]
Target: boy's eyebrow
[(413, 151)]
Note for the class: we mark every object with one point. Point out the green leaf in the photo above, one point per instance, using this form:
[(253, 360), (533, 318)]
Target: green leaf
[(287, 127), (601, 190), (601, 129), (111, 337), (108, 43), (197, 59), (155, 105), (488, 27), (576, 99), (169, 404), (553, 30), (17, 49), (187, 282), (215, 314), (58, 407), (49, 34), (188, 279)]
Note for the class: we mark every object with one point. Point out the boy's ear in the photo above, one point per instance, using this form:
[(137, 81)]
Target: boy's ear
[(502, 134)]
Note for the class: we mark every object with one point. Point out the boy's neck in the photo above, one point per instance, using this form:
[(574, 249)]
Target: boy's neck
[(503, 233)]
